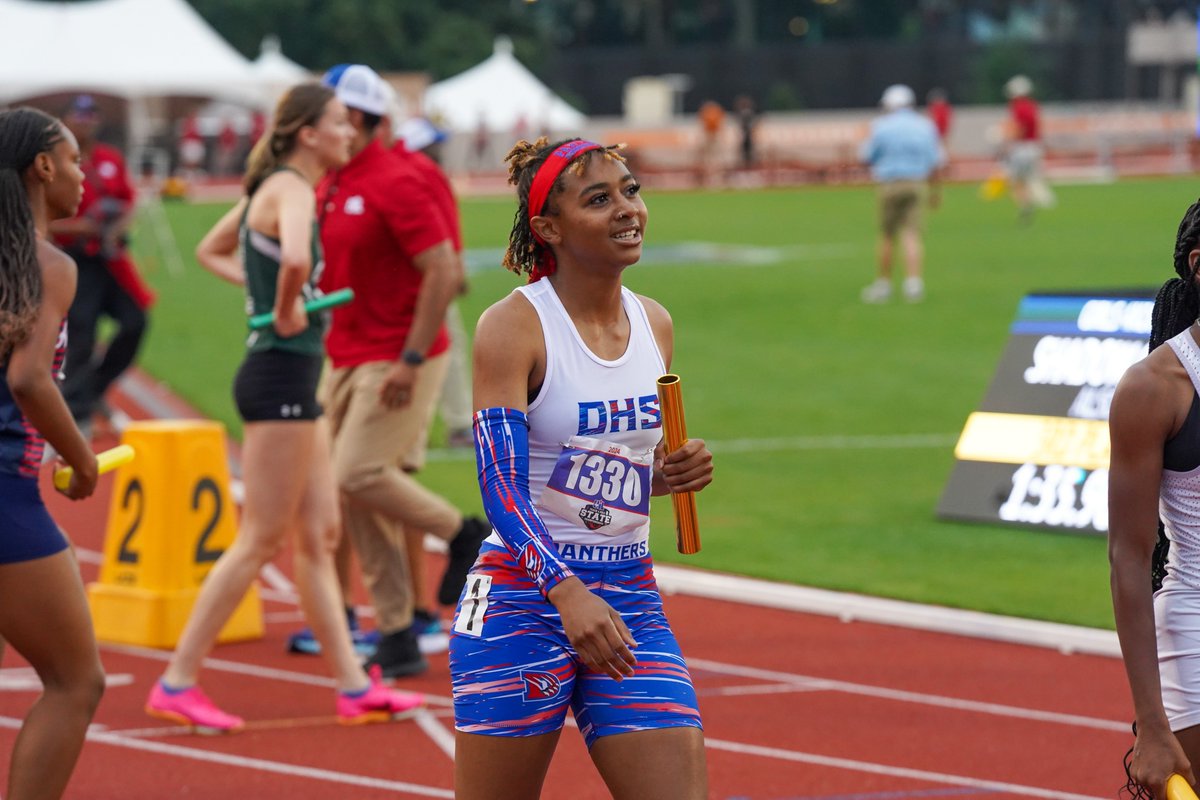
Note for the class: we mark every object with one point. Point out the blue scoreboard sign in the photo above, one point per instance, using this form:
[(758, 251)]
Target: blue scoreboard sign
[(1035, 454)]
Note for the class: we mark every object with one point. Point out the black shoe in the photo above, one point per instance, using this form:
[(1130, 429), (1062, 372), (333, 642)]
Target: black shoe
[(464, 548), (398, 655)]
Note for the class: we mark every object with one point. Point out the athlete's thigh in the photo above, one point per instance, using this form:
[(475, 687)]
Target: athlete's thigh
[(511, 667), (276, 460), (44, 616), (663, 764), (497, 768)]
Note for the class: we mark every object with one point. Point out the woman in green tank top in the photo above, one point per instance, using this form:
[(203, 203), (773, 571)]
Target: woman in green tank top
[(286, 453)]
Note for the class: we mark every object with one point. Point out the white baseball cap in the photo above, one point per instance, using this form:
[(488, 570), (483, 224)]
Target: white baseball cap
[(1018, 86), (897, 96), (359, 86)]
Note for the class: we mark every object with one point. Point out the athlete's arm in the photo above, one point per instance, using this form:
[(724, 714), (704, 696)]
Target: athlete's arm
[(1142, 417), (217, 251), (297, 204), (510, 362), (31, 377)]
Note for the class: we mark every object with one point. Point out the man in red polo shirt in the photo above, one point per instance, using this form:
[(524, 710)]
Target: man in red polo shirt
[(109, 284), (1029, 188), (384, 237)]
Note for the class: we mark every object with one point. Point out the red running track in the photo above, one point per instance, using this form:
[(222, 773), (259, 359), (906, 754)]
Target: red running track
[(795, 706)]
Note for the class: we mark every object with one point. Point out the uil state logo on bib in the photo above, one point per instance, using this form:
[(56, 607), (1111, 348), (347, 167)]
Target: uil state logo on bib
[(595, 515)]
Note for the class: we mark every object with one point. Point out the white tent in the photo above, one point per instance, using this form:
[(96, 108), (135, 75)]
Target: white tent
[(127, 48), (502, 94), (274, 70)]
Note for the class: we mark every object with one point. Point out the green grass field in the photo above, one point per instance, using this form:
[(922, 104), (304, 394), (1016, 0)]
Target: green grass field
[(784, 350)]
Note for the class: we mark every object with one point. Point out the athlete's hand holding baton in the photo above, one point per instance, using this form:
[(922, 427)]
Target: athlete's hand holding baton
[(685, 465)]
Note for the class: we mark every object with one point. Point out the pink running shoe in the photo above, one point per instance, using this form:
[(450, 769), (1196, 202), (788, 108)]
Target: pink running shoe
[(191, 707), (377, 704)]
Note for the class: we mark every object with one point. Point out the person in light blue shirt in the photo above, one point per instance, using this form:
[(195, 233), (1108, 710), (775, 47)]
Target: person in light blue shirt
[(905, 154)]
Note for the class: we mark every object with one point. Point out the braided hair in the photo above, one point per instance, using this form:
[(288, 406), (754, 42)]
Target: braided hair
[(1176, 307), (24, 134), (525, 252), (300, 106)]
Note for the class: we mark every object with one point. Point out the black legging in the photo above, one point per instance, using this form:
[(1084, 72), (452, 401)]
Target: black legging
[(97, 293)]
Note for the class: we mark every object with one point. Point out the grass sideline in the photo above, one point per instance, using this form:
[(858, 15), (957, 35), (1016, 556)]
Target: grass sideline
[(784, 350)]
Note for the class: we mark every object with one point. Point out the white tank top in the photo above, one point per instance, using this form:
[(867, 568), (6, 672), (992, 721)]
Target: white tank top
[(592, 431), (1179, 494)]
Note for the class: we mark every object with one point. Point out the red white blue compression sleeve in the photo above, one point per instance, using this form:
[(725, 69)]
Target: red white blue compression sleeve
[(502, 453)]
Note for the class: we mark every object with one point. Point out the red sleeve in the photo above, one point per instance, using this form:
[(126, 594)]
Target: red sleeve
[(445, 194), (120, 187), (412, 213)]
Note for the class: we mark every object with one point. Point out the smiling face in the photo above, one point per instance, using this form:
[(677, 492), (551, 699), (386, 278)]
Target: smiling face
[(599, 216)]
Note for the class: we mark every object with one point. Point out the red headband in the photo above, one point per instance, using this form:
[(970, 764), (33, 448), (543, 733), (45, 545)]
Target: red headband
[(539, 191)]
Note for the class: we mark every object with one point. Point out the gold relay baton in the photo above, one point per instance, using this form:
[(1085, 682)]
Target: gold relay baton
[(670, 400)]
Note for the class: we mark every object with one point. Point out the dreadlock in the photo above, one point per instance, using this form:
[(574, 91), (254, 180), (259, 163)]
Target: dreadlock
[(524, 160), (1176, 307), (24, 134)]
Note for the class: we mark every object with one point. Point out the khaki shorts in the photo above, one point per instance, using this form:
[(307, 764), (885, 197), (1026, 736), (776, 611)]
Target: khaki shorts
[(900, 206)]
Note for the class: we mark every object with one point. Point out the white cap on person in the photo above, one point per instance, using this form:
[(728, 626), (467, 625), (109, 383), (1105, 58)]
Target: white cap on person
[(360, 87), (1018, 86), (897, 96)]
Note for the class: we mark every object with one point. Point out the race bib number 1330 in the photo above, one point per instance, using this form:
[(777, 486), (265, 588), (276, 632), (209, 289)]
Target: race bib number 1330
[(602, 486)]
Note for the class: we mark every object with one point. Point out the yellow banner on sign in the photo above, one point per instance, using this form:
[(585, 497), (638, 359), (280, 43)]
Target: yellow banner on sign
[(1031, 439), (171, 517)]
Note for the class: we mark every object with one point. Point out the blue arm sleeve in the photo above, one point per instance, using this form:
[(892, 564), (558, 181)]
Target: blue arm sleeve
[(502, 454)]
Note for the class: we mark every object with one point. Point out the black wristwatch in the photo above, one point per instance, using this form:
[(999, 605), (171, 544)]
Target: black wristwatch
[(412, 358)]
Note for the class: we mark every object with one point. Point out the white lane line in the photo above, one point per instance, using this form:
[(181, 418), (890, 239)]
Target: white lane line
[(815, 684), (25, 679), (274, 577), (893, 772), (427, 721), (252, 670), (263, 765), (850, 607), (759, 688)]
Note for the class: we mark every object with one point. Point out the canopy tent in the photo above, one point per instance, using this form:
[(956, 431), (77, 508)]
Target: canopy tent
[(501, 95), (275, 71), (127, 48)]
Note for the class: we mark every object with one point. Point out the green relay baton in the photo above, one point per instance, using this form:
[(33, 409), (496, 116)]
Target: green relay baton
[(338, 298)]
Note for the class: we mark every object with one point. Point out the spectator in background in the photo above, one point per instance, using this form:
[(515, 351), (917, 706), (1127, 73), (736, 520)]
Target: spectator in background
[(227, 149), (386, 236), (192, 150), (1024, 149), (747, 119), (905, 155), (937, 106), (109, 284), (712, 119)]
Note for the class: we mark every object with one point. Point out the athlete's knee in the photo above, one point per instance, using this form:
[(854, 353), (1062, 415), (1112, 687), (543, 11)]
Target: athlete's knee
[(319, 538), (259, 543), (82, 686), (358, 479)]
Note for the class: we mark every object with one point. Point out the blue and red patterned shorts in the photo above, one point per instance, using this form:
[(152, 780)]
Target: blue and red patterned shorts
[(514, 672)]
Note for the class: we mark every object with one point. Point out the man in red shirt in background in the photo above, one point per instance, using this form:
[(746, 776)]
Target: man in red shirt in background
[(109, 283), (385, 237), (939, 111), (1025, 152)]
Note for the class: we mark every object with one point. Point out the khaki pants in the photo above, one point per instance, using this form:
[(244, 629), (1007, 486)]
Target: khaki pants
[(900, 204), (372, 446)]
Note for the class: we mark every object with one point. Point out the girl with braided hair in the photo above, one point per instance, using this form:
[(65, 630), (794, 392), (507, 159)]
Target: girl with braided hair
[(561, 608), (268, 242), (43, 611), (1154, 484)]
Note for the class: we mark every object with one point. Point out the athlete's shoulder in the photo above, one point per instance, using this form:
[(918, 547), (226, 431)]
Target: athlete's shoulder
[(512, 314)]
